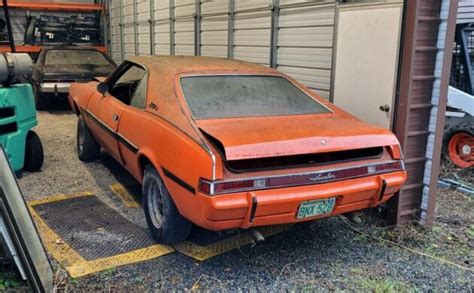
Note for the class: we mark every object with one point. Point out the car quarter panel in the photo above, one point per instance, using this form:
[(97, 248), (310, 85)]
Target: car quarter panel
[(80, 94), (180, 160)]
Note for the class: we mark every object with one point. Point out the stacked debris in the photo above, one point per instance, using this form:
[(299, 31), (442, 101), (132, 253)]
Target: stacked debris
[(63, 30)]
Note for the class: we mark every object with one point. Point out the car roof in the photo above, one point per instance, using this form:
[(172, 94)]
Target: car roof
[(162, 92), (179, 64)]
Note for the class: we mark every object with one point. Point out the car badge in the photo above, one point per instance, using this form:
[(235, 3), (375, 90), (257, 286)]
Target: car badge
[(323, 177)]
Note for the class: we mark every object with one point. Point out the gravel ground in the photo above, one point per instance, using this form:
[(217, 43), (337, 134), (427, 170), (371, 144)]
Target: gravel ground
[(324, 255)]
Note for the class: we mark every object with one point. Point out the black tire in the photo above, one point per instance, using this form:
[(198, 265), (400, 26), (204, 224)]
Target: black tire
[(41, 100), (466, 125), (164, 220), (88, 150), (34, 155)]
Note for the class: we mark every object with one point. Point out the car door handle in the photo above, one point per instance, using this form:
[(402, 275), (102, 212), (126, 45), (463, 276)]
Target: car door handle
[(115, 117)]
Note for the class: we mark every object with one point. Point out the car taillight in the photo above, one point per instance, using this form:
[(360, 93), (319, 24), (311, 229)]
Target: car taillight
[(311, 178), (232, 186), (383, 168)]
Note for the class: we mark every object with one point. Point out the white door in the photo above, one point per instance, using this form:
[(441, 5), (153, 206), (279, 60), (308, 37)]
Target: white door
[(367, 51)]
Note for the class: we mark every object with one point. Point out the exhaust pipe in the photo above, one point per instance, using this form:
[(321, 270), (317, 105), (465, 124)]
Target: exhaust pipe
[(256, 235)]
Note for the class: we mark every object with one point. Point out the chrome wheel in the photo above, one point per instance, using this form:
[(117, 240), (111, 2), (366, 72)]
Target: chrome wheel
[(155, 204)]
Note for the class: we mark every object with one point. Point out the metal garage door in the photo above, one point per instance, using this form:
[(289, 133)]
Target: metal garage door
[(240, 29), (252, 30), (214, 28), (143, 27), (465, 11), (162, 27), (129, 28), (184, 27), (305, 43), (115, 31)]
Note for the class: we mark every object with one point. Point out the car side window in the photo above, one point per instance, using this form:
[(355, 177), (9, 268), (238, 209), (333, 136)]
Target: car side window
[(139, 97), (126, 84)]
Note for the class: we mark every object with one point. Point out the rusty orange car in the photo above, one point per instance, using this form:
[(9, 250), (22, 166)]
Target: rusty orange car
[(225, 144)]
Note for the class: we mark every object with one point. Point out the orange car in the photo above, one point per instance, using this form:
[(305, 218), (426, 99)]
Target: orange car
[(227, 144)]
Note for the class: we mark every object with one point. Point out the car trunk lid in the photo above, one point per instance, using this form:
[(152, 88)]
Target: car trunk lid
[(266, 137)]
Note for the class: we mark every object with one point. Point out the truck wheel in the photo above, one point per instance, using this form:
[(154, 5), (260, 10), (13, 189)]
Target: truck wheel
[(88, 150), (34, 155), (460, 145), (166, 224)]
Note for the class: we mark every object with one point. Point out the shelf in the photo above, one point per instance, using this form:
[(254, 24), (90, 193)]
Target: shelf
[(36, 49), (55, 6)]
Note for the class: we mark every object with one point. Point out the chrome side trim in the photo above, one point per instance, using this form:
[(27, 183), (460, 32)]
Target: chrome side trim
[(119, 137)]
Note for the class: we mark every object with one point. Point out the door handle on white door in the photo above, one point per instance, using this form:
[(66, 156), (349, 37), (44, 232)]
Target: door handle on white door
[(384, 108)]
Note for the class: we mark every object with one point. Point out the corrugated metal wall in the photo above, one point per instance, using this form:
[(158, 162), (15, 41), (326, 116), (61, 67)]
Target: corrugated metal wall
[(299, 43), (214, 28), (466, 11), (184, 27), (305, 43), (143, 26), (161, 24), (252, 31), (115, 12)]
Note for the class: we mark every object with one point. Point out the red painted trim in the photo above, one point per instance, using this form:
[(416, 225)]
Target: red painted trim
[(56, 6)]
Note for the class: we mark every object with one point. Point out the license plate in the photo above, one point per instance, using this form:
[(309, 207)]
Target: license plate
[(316, 207)]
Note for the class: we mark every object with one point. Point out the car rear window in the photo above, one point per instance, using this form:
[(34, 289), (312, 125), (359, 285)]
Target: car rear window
[(227, 96), (75, 57)]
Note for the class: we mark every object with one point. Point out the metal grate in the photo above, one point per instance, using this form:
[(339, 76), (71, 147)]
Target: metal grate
[(92, 228), (462, 74)]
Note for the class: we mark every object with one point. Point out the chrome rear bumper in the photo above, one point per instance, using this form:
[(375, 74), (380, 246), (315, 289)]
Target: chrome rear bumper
[(55, 87)]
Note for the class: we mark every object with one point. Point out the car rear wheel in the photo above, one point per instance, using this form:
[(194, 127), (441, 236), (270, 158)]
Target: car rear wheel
[(164, 220), (34, 155), (88, 150)]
